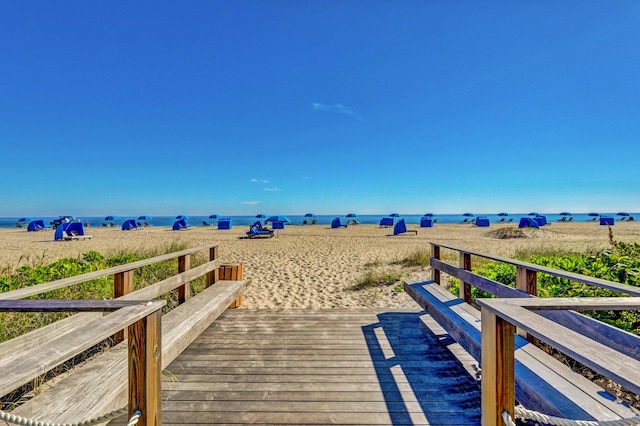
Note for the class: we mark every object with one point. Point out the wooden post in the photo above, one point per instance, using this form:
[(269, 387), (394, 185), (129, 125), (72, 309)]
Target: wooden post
[(232, 272), (465, 288), (184, 291), (212, 277), (527, 280), (497, 364), (123, 283), (435, 253), (145, 369)]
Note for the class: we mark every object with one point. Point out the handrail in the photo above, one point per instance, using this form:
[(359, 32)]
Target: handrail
[(598, 282), (555, 321), (66, 282), (143, 320), (500, 317)]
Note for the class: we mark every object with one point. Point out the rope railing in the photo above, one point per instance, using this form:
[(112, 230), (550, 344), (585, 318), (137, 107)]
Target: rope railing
[(18, 420), (525, 414)]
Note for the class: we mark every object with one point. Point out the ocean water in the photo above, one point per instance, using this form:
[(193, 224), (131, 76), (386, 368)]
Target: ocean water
[(10, 222)]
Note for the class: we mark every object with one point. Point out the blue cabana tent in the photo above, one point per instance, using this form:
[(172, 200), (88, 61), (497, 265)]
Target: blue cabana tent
[(224, 223), (426, 222), (527, 222), (36, 225), (542, 220), (335, 223), (482, 221), (386, 222), (607, 220), (180, 224), (129, 224)]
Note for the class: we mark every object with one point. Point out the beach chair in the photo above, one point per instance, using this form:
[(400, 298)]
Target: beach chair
[(68, 231), (401, 228), (335, 223), (181, 225), (257, 231)]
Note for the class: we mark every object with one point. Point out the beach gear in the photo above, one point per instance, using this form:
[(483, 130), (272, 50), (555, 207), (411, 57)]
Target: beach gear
[(180, 224), (224, 223), (427, 222), (401, 228), (129, 224), (607, 220), (36, 225), (335, 223), (257, 231), (528, 222), (386, 222), (482, 221)]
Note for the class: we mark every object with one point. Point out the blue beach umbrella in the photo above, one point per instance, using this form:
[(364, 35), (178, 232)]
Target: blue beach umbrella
[(565, 214), (111, 218), (593, 214), (25, 219), (394, 215), (428, 215), (352, 215), (623, 214), (309, 215), (278, 219), (182, 216), (468, 214), (534, 214), (144, 217), (261, 216), (503, 214), (214, 216)]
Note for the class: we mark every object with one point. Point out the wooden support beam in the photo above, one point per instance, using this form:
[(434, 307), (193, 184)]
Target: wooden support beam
[(435, 253), (123, 283), (232, 272), (527, 280), (497, 366), (145, 369), (184, 291), (212, 277), (465, 288)]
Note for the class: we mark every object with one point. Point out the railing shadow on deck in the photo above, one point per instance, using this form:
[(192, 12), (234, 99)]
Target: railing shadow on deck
[(421, 380)]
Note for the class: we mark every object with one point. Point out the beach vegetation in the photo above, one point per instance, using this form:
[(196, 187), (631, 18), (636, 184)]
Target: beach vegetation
[(377, 279), (620, 262), (418, 258)]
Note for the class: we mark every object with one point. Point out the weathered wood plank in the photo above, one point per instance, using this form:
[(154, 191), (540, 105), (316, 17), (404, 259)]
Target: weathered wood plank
[(65, 282), (622, 288)]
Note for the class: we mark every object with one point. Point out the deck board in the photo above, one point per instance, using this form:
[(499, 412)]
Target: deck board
[(281, 367)]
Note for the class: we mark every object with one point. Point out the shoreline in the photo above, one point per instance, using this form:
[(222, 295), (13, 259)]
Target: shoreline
[(314, 266)]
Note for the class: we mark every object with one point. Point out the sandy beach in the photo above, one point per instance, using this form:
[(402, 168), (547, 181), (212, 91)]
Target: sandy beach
[(313, 267)]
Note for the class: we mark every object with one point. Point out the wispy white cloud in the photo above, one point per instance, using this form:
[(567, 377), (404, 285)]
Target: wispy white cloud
[(256, 180), (337, 109), (250, 202), (273, 188)]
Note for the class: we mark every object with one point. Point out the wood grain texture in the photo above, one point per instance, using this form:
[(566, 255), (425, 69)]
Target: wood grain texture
[(319, 367), (542, 383), (65, 282)]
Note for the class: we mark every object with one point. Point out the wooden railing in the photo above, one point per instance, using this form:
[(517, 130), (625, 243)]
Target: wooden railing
[(143, 321), (609, 351), (26, 357)]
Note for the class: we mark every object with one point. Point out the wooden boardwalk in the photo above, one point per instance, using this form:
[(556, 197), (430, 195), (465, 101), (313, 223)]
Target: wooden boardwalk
[(347, 367)]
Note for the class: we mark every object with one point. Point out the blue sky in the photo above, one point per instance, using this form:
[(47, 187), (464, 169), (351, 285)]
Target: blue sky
[(284, 107)]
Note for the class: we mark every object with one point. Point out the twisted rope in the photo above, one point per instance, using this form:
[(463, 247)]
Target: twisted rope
[(12, 418), (525, 414)]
